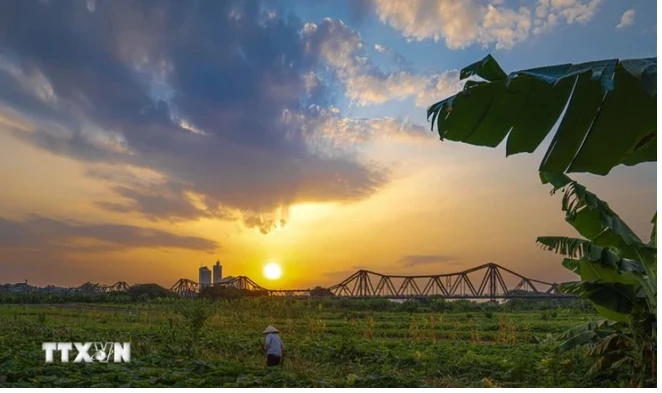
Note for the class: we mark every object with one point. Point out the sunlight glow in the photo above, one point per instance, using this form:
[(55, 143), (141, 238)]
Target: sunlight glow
[(272, 271)]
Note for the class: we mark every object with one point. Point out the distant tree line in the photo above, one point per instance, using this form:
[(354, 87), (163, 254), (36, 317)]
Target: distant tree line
[(320, 296)]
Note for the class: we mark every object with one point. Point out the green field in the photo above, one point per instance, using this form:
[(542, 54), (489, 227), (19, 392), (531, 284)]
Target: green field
[(328, 343)]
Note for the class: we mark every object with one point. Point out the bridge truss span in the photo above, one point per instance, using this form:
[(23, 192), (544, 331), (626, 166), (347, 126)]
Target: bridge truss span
[(488, 281)]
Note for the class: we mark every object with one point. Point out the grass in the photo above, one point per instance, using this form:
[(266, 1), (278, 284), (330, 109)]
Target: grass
[(187, 343)]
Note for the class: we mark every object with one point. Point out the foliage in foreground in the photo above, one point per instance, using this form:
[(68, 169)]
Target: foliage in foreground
[(608, 111), (610, 117), (325, 347), (618, 273)]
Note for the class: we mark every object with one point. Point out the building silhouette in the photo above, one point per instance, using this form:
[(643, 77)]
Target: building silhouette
[(218, 273), (204, 277)]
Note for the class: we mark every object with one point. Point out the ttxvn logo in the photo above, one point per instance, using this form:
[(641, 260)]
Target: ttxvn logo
[(103, 352)]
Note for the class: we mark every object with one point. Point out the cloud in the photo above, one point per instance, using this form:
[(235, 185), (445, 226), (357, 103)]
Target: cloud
[(626, 19), (39, 233), (169, 201), (365, 84), (39, 248), (550, 12), (382, 49), (197, 91), (417, 260), (330, 133), (267, 224), (371, 89), (460, 23), (91, 5)]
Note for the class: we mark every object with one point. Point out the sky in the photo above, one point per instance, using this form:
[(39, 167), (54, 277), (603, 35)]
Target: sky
[(140, 140)]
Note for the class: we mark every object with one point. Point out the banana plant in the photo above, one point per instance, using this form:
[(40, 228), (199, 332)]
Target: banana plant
[(615, 345), (618, 274), (603, 114), (607, 110)]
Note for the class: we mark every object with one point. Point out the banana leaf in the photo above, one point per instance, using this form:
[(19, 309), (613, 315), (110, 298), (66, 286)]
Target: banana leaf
[(607, 110), (596, 221)]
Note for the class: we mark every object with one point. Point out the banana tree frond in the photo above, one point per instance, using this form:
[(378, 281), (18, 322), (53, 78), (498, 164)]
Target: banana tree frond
[(571, 264), (615, 254), (613, 300), (580, 250), (601, 99), (586, 334), (487, 68), (614, 342), (567, 246), (594, 219), (625, 360), (611, 360), (584, 338), (622, 271)]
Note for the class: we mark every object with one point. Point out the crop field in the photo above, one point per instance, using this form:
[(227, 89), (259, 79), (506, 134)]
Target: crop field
[(194, 343)]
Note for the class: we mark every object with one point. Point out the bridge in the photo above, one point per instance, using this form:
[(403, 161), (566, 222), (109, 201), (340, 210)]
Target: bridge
[(489, 281)]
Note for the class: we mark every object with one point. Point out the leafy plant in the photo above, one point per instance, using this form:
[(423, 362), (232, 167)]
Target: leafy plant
[(607, 113), (41, 318), (195, 316), (228, 353), (618, 273), (143, 292), (610, 117)]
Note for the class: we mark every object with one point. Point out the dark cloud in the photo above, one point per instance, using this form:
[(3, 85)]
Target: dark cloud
[(156, 202), (416, 260), (41, 233), (194, 89), (265, 225)]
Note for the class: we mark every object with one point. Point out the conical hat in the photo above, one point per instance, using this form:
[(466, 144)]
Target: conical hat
[(270, 329)]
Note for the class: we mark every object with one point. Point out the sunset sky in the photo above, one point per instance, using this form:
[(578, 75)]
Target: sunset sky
[(141, 139)]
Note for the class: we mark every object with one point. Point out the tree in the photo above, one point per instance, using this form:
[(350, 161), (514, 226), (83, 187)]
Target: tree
[(321, 292), (607, 113), (618, 274), (149, 291)]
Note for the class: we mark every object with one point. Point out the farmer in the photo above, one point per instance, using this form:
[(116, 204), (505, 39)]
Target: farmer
[(273, 346)]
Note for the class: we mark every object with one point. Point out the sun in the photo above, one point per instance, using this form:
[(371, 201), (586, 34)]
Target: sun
[(272, 271)]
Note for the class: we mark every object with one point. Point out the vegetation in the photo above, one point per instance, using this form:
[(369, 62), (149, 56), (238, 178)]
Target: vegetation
[(618, 273), (68, 297), (228, 292), (330, 342), (148, 291), (608, 111), (610, 117), (321, 292)]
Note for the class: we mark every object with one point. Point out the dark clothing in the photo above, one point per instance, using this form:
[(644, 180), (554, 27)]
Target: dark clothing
[(273, 360)]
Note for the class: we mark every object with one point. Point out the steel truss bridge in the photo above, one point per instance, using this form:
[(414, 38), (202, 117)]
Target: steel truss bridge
[(489, 281)]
